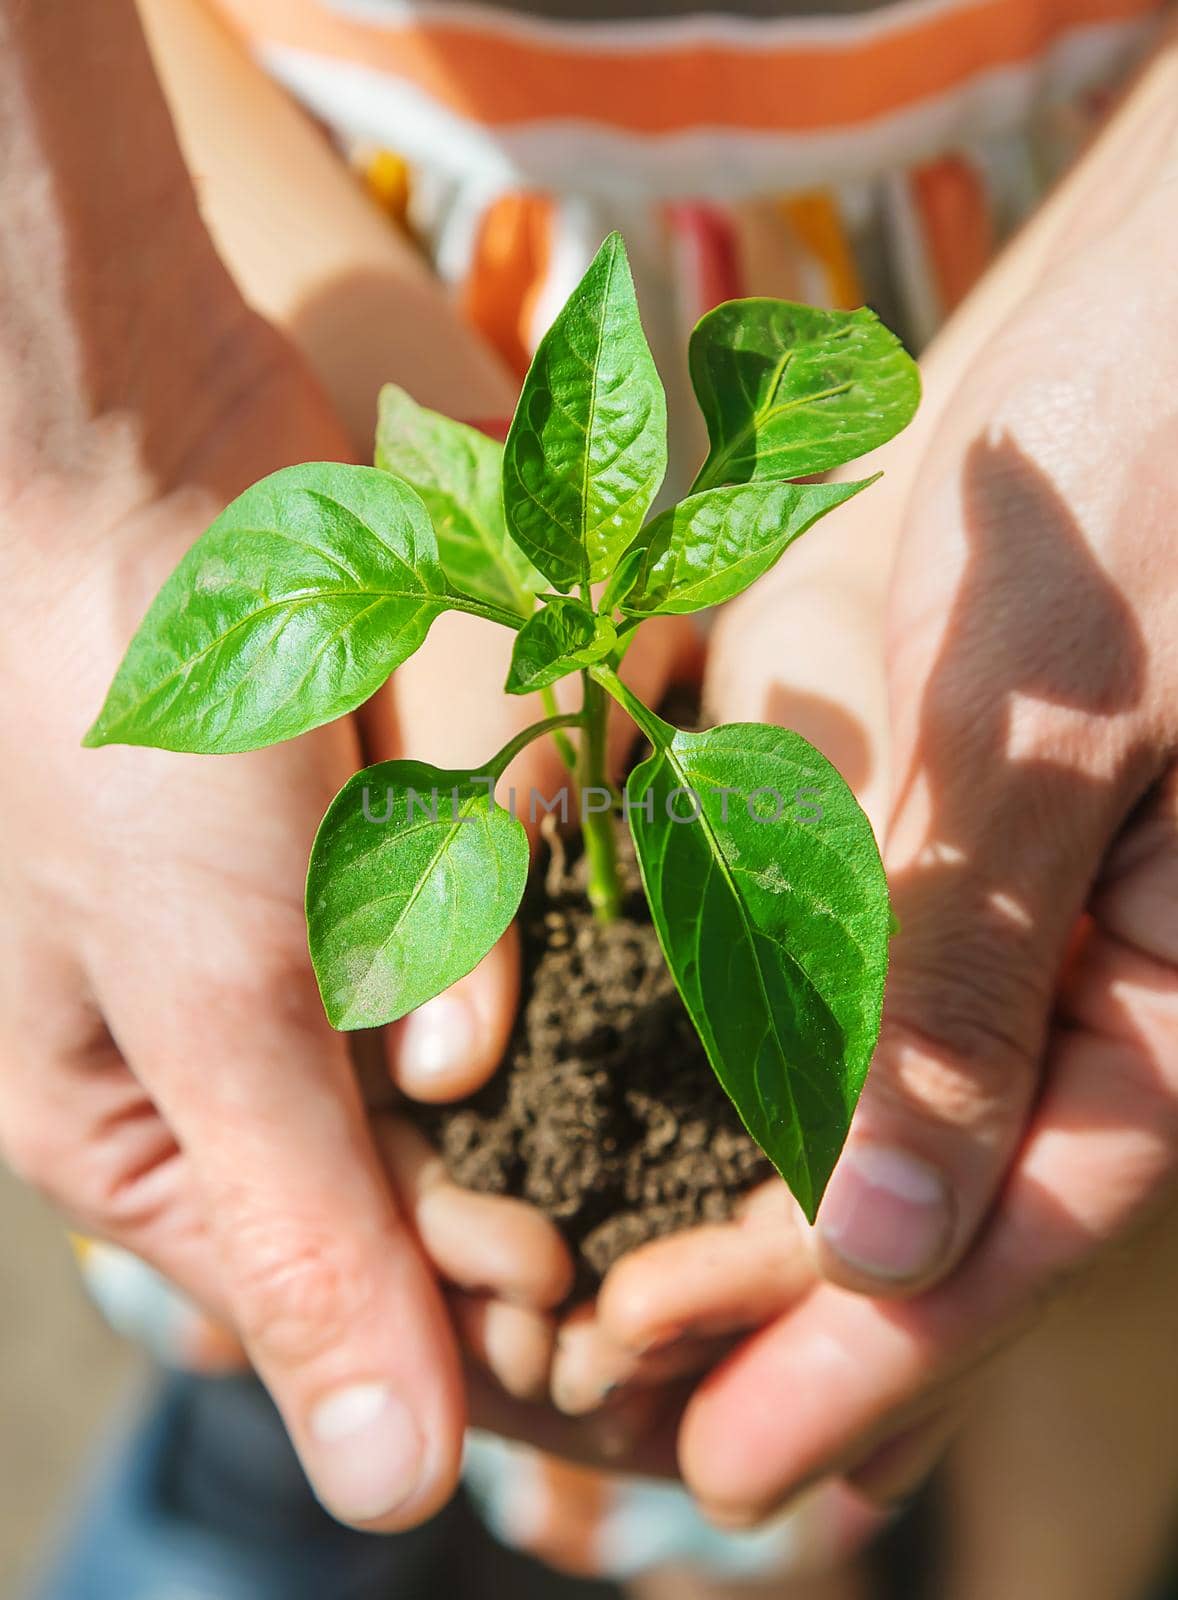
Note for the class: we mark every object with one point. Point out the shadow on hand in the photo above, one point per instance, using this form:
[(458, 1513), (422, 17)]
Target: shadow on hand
[(835, 731), (1035, 622), (1034, 619)]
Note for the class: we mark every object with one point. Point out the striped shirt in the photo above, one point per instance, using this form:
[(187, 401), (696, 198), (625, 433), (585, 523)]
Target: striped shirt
[(836, 151)]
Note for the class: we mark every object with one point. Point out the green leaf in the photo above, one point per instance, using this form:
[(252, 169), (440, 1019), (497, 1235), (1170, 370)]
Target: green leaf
[(290, 610), (458, 471), (562, 636), (712, 545), (415, 873), (788, 390), (587, 448), (624, 576), (776, 931)]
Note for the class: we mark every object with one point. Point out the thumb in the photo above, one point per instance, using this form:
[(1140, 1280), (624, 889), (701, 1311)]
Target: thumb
[(452, 1044), (322, 1276), (1013, 769)]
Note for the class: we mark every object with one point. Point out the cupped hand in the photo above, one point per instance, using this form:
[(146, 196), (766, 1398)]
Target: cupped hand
[(166, 1072), (803, 649), (1022, 1110)]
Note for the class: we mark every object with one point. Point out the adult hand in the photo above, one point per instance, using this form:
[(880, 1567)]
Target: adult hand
[(166, 1073), (804, 649), (1022, 1110)]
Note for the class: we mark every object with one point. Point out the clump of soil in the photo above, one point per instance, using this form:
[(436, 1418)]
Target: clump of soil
[(605, 1113)]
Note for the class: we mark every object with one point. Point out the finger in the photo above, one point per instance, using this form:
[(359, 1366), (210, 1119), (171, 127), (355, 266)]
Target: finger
[(514, 1343), (317, 1264), (1016, 757), (589, 1367), (450, 1046), (479, 1242), (829, 686), (77, 1126), (958, 1062), (896, 1470), (1102, 1145), (636, 1433), (826, 1528), (709, 1281)]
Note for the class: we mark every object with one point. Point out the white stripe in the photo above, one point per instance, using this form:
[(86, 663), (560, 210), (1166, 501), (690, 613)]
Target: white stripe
[(913, 269), (576, 234), (575, 157), (625, 37)]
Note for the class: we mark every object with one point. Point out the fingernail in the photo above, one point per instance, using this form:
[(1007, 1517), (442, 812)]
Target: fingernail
[(886, 1214), (368, 1452), (439, 1039)]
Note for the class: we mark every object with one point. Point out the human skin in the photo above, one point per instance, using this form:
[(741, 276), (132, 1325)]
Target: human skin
[(168, 1078), (1021, 1114), (753, 1271), (1048, 403), (304, 440)]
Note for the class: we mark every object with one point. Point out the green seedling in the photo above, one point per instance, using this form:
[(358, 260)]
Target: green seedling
[(763, 877)]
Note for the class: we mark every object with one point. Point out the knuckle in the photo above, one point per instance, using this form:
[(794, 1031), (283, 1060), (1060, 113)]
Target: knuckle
[(123, 1198), (297, 1297), (968, 1035)]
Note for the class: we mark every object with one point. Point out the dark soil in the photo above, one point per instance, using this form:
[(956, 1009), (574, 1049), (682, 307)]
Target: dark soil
[(605, 1113)]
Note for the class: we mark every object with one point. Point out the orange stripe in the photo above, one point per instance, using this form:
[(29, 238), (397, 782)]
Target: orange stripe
[(951, 200), (507, 269), (799, 88), (386, 177), (815, 220)]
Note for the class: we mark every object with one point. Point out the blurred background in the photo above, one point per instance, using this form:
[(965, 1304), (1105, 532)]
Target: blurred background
[(62, 1372)]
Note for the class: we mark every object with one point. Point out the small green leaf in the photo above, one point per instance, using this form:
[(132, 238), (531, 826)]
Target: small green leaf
[(414, 875), (624, 576), (772, 910), (712, 545), (562, 636), (587, 448), (290, 610), (789, 390), (458, 471)]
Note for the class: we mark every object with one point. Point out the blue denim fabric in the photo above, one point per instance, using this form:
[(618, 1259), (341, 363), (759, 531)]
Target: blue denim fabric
[(202, 1498)]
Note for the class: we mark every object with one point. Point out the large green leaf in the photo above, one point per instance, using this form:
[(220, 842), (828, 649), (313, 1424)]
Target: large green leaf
[(290, 610), (587, 448), (775, 929), (414, 874), (714, 544), (458, 472), (562, 636), (788, 390)]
